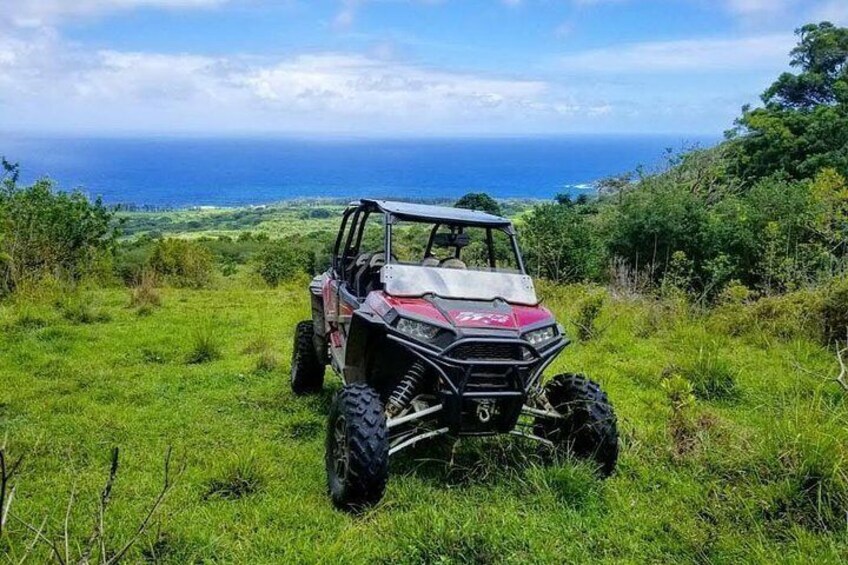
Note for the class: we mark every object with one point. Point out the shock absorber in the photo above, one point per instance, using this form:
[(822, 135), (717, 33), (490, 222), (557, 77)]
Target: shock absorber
[(408, 388)]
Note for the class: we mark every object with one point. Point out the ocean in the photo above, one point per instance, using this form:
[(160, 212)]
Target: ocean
[(180, 172)]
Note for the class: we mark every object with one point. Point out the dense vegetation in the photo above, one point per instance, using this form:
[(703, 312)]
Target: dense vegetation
[(709, 299), (768, 208)]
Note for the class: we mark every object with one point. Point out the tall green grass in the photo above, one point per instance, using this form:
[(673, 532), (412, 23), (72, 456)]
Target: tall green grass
[(755, 477)]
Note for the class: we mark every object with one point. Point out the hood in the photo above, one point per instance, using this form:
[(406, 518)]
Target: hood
[(468, 314)]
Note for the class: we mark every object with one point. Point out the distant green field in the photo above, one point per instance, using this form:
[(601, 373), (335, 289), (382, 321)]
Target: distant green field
[(276, 220), (746, 466)]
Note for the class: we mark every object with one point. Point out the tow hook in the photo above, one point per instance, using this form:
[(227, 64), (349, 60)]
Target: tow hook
[(485, 409)]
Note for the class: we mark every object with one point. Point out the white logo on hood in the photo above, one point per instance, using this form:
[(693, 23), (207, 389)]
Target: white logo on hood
[(482, 317)]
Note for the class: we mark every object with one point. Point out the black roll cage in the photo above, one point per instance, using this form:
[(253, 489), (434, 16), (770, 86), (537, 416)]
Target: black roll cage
[(362, 211)]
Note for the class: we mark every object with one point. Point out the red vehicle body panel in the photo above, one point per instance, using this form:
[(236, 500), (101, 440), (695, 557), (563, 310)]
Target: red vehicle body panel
[(469, 315)]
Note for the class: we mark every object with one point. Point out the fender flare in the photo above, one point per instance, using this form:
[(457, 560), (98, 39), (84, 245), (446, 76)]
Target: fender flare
[(365, 328)]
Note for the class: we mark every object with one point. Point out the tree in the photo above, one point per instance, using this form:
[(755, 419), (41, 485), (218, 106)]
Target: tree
[(46, 231), (821, 54), (803, 126), (10, 174), (559, 244), (479, 201)]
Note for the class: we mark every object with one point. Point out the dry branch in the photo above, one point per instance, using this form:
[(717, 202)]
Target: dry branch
[(167, 484), (7, 472), (94, 547), (842, 377)]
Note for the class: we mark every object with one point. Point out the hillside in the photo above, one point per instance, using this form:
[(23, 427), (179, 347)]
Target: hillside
[(145, 403), (745, 466)]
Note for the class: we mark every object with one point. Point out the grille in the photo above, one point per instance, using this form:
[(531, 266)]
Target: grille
[(487, 382), (486, 351)]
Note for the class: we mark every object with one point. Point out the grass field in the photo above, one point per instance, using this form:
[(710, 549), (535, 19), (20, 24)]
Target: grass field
[(276, 220), (733, 447)]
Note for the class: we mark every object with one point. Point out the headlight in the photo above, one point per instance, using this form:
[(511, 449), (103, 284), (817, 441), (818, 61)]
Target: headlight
[(541, 336), (417, 330)]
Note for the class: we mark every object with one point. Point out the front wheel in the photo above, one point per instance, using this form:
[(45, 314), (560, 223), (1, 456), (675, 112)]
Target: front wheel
[(307, 371), (588, 427), (357, 448)]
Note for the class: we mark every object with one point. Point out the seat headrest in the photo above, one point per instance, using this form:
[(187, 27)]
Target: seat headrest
[(453, 263)]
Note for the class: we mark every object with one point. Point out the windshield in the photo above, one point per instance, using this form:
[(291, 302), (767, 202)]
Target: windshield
[(415, 281), (453, 247)]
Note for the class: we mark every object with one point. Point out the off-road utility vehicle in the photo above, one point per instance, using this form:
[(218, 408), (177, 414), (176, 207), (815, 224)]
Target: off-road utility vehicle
[(430, 319)]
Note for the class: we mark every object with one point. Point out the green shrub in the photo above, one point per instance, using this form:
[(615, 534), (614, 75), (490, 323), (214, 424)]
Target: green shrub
[(144, 296), (282, 261), (317, 213), (588, 311), (47, 232), (788, 316), (182, 263), (682, 426), (557, 244), (78, 310), (735, 294), (834, 311), (131, 261)]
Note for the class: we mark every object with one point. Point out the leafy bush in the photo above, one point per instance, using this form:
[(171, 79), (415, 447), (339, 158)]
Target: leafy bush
[(47, 232), (793, 315), (281, 261), (588, 312), (182, 263), (317, 213), (682, 425), (834, 311)]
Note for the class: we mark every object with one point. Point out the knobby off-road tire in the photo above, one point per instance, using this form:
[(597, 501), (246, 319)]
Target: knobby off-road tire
[(307, 371), (357, 448), (589, 429)]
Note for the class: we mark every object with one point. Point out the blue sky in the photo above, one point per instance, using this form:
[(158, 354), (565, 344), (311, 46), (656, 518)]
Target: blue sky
[(391, 67)]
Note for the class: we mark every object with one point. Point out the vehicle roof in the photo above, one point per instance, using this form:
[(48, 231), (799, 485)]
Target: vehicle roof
[(447, 214)]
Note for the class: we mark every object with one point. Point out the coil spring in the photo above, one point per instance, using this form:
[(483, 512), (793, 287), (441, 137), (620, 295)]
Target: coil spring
[(407, 389)]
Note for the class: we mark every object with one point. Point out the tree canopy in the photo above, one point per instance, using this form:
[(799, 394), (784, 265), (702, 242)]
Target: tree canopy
[(479, 201), (803, 126)]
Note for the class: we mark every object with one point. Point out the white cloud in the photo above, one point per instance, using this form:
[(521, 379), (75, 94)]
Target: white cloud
[(31, 13), (750, 53), (758, 7), (346, 15), (834, 11), (46, 85)]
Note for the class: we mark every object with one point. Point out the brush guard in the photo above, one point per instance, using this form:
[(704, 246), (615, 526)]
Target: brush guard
[(475, 396)]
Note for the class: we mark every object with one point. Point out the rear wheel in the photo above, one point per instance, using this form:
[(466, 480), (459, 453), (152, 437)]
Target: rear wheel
[(307, 371), (357, 448), (588, 428)]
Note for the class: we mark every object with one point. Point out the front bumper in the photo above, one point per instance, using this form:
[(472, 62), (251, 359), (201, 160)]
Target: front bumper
[(481, 376)]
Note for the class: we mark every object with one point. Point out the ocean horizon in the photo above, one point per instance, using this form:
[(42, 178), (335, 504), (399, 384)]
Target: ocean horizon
[(180, 172)]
